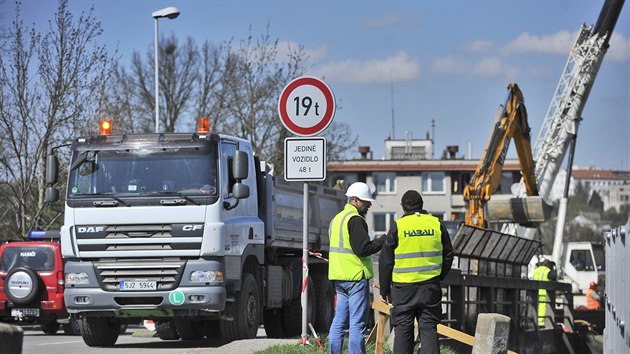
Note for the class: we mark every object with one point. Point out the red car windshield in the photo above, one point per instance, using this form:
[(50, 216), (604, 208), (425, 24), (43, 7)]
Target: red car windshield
[(37, 258)]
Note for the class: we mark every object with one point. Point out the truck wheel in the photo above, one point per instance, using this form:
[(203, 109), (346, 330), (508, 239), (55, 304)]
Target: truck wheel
[(99, 331), (246, 307), (22, 285), (324, 303), (189, 329), (72, 328), (49, 326), (292, 312), (166, 330), (212, 329), (272, 320)]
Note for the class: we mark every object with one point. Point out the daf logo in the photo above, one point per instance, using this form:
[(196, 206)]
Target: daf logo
[(192, 227), (90, 229)]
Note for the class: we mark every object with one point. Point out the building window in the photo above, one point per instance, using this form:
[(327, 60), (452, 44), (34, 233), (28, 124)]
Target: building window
[(432, 182), (383, 221), (459, 180), (385, 182)]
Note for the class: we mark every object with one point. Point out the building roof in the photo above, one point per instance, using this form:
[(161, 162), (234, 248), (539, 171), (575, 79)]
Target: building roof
[(595, 175), (368, 165)]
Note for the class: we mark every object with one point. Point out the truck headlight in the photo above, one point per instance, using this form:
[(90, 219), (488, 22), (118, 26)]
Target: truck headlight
[(204, 276), (77, 278)]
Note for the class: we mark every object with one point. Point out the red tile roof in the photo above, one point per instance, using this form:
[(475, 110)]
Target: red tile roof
[(594, 174)]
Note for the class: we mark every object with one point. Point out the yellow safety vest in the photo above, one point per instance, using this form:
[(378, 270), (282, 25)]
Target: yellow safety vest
[(541, 273), (418, 256), (343, 263)]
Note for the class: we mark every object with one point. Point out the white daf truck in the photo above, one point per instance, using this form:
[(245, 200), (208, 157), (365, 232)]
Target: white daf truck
[(191, 231)]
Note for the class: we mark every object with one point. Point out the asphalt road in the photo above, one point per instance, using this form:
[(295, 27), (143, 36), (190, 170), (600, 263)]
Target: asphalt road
[(138, 340)]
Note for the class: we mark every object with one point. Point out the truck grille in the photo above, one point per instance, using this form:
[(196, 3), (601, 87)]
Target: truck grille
[(167, 274), (132, 241)]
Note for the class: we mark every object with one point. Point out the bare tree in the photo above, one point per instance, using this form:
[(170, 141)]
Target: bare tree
[(48, 83), (177, 74), (236, 85)]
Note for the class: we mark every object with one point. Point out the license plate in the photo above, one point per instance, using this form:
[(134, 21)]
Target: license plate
[(138, 285), (32, 312)]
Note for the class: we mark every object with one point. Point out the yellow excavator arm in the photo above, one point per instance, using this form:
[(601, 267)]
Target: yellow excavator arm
[(511, 124)]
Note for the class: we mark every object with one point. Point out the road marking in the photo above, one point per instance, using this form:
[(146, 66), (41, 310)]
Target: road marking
[(72, 341)]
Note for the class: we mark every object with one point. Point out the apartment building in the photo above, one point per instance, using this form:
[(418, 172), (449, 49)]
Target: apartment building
[(408, 164)]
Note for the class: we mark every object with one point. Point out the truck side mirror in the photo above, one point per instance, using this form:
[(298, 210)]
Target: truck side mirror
[(240, 170), (52, 169), (51, 195), (240, 166), (240, 190)]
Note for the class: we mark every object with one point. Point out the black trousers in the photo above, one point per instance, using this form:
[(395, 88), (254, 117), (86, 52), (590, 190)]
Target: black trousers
[(421, 302)]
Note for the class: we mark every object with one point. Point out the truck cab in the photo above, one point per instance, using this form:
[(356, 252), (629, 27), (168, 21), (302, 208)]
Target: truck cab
[(583, 263)]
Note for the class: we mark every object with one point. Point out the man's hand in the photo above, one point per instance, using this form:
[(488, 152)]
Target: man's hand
[(385, 299)]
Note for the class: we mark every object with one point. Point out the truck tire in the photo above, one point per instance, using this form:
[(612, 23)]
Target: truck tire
[(22, 285), (324, 303), (99, 331), (72, 328), (166, 330), (212, 329), (292, 312), (189, 329), (49, 326), (246, 308), (272, 319)]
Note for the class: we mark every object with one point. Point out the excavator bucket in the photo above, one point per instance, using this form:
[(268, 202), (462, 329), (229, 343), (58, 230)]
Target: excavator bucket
[(526, 211)]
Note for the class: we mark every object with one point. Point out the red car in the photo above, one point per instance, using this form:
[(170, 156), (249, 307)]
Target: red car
[(32, 283)]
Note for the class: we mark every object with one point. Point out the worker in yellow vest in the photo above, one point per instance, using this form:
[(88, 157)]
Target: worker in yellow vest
[(544, 272), (350, 268), (417, 254)]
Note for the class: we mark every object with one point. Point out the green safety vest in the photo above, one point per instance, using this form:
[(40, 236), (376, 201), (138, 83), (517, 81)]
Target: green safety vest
[(343, 263), (541, 273), (418, 256)]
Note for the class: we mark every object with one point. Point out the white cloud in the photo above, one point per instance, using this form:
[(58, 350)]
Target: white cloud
[(619, 48), (285, 48), (561, 42), (396, 68), (449, 65), (478, 46), (487, 67), (557, 43)]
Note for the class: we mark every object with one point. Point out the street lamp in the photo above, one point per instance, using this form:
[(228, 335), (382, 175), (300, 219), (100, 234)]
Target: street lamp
[(170, 13)]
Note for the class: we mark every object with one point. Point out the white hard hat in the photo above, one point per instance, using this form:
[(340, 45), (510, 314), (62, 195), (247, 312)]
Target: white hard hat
[(360, 190)]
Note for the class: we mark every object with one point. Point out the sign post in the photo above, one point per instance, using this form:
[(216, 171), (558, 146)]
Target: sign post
[(306, 108)]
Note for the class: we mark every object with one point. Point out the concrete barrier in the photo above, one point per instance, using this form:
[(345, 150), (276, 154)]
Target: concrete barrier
[(11, 337), (492, 334)]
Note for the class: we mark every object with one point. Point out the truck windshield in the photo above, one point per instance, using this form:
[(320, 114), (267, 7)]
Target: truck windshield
[(600, 256), (120, 173)]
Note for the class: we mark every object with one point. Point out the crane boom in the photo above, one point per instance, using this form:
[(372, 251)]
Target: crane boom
[(561, 123)]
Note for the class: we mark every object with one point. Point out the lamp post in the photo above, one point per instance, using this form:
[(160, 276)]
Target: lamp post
[(170, 13)]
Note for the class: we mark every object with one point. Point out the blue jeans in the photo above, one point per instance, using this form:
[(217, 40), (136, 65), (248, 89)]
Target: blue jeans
[(352, 306)]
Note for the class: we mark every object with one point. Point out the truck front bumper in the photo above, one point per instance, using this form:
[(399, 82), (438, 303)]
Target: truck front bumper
[(207, 298)]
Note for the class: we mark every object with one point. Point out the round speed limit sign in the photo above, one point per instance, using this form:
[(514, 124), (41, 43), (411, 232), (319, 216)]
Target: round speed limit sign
[(306, 106)]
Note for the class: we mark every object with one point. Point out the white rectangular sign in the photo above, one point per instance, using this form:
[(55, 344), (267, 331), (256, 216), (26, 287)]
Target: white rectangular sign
[(305, 159)]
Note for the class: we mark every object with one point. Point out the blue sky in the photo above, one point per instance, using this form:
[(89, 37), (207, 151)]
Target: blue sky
[(447, 61)]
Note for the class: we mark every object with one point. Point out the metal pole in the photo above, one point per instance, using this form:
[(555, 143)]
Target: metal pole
[(157, 94), (562, 210), (304, 265)]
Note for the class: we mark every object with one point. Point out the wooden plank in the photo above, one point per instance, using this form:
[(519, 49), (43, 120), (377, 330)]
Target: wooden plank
[(384, 309), (380, 333)]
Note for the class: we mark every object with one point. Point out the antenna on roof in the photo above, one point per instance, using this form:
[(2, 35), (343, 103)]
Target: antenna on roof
[(392, 94)]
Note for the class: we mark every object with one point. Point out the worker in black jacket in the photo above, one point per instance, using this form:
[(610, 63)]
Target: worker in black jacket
[(416, 255)]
